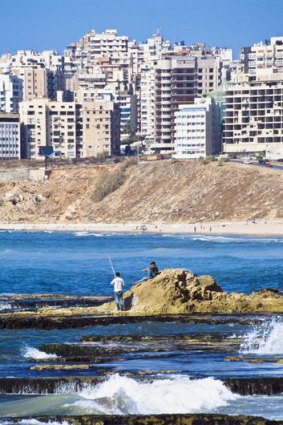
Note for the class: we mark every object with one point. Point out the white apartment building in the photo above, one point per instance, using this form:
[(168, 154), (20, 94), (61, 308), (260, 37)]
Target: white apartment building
[(10, 141), (95, 45), (91, 81), (147, 102), (195, 130), (263, 56), (253, 118), (42, 73), (11, 92)]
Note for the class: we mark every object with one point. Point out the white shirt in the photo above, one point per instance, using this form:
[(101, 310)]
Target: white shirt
[(118, 284)]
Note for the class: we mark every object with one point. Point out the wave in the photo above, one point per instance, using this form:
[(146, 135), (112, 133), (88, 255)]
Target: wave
[(265, 339), (83, 234), (232, 239), (223, 239), (5, 305), (34, 353), (178, 394)]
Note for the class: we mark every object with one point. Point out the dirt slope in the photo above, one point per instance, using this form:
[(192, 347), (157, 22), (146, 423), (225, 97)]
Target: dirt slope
[(168, 191)]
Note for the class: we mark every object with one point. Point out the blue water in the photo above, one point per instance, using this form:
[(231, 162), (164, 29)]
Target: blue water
[(77, 263)]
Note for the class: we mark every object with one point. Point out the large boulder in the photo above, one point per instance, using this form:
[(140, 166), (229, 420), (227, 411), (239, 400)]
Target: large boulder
[(177, 291)]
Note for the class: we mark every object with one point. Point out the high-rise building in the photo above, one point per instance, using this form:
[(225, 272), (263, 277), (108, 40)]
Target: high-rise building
[(49, 123), (11, 92), (100, 128), (87, 127), (10, 141), (253, 119), (178, 81), (261, 57), (147, 102), (35, 82)]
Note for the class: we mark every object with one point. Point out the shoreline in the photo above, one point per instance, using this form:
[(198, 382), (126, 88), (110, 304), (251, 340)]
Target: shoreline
[(244, 228)]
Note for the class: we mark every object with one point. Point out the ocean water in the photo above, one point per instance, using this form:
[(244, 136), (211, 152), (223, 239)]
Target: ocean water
[(77, 263), (179, 380)]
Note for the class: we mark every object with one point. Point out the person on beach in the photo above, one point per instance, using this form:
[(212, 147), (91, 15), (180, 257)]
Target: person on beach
[(118, 284), (152, 270)]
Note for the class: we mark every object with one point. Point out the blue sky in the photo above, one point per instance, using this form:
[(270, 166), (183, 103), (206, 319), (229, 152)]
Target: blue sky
[(52, 24)]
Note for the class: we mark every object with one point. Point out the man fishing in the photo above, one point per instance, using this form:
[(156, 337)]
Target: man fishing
[(118, 284)]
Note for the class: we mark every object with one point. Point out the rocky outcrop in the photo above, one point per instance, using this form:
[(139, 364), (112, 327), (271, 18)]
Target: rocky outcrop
[(180, 292), (175, 294), (166, 419)]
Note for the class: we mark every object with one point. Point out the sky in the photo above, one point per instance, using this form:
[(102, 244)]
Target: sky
[(52, 24)]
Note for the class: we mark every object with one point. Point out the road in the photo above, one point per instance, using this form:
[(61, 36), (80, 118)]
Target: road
[(275, 165)]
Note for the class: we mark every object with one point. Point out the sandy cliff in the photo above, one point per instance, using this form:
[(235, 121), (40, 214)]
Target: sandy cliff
[(168, 191)]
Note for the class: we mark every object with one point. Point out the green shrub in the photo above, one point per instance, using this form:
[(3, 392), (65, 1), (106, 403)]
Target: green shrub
[(129, 162), (107, 184), (203, 161)]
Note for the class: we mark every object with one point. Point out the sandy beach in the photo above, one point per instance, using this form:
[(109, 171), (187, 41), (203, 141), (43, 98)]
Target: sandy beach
[(256, 227)]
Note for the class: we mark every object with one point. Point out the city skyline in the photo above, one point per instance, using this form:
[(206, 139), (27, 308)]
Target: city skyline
[(56, 23)]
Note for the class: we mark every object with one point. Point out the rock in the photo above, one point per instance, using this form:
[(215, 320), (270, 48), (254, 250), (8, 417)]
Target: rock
[(174, 292), (13, 198), (8, 196), (38, 198), (233, 359), (44, 367), (177, 291), (164, 419)]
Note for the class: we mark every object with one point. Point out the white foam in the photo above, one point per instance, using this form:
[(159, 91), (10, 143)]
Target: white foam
[(266, 339), (34, 353), (178, 394), (223, 239), (5, 305), (82, 234)]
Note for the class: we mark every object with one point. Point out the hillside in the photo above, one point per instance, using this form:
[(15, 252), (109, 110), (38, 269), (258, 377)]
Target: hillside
[(168, 191)]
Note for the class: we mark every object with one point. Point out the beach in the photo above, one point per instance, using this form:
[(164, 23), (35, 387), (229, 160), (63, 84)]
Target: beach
[(250, 227)]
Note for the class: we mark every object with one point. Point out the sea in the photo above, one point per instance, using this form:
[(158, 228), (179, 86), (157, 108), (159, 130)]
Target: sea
[(152, 380)]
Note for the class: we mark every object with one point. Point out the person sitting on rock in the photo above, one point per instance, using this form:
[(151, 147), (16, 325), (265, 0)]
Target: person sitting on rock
[(152, 270)]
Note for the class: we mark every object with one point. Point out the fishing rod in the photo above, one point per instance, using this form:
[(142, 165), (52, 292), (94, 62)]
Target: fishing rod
[(111, 265)]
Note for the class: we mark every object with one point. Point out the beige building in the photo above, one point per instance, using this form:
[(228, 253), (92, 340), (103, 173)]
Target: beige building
[(253, 119), (100, 128), (35, 82), (49, 123), (74, 129)]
